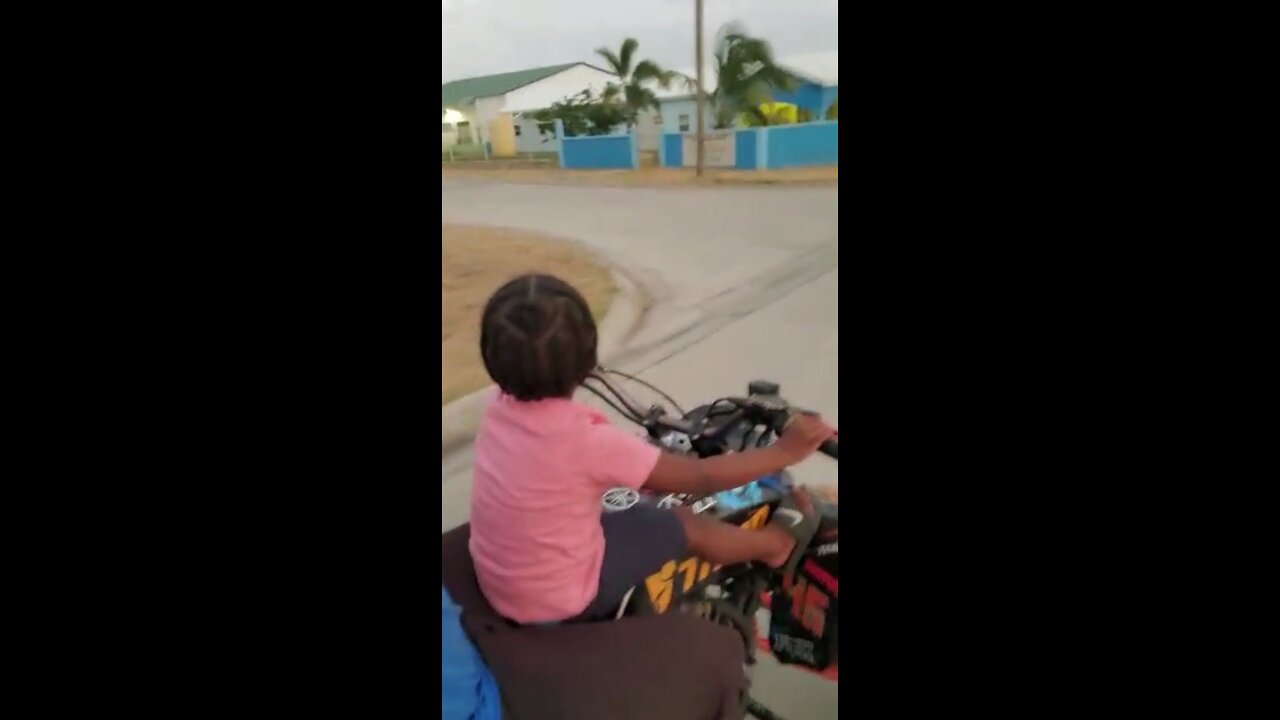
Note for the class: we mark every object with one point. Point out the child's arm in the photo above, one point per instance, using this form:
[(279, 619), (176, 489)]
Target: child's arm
[(678, 474)]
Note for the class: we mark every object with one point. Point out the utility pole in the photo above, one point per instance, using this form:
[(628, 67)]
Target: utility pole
[(697, 51)]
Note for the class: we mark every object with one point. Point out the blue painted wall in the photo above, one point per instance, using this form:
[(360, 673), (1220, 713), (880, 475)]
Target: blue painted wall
[(672, 150), (779, 146), (598, 152), (816, 143), (530, 139), (744, 149)]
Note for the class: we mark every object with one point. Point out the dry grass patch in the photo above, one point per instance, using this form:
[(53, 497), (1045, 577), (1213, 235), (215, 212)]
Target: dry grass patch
[(474, 262)]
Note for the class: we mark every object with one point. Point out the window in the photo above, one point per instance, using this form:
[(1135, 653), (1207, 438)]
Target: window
[(684, 123), (517, 131)]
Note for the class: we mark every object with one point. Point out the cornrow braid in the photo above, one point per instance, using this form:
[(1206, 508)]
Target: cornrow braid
[(537, 338)]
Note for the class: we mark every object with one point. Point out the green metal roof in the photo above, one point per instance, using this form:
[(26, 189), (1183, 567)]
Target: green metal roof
[(461, 92)]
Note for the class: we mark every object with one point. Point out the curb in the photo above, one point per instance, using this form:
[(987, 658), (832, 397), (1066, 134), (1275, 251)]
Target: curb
[(459, 419)]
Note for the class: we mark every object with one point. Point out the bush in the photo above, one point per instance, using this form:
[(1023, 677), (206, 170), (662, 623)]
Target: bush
[(832, 112), (582, 114)]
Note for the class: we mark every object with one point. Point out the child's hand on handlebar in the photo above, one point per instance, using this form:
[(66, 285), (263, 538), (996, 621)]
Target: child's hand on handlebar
[(801, 437)]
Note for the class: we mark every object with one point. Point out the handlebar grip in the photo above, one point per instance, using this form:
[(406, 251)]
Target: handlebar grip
[(831, 448)]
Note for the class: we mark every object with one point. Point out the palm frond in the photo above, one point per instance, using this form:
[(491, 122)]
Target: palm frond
[(639, 98), (649, 70), (746, 73), (731, 29), (723, 116), (611, 60), (625, 56), (686, 82)]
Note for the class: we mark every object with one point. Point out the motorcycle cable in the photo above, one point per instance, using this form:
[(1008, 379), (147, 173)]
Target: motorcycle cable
[(646, 383), (624, 412)]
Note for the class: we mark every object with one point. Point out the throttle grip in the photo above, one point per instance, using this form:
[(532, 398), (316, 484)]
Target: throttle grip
[(830, 448)]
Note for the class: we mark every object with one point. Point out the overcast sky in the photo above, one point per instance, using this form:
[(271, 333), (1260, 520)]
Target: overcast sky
[(482, 37)]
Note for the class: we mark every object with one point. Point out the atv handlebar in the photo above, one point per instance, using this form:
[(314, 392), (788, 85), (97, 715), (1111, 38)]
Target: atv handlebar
[(759, 409), (831, 448)]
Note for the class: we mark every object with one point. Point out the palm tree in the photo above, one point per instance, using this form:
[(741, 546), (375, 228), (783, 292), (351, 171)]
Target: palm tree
[(746, 75), (634, 95)]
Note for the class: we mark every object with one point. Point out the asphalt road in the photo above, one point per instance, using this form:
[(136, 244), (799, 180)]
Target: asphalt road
[(746, 286)]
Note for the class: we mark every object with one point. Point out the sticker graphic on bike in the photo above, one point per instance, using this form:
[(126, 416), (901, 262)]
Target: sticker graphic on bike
[(662, 585)]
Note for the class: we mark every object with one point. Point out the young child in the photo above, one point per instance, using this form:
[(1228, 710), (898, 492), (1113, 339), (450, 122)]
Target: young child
[(543, 549)]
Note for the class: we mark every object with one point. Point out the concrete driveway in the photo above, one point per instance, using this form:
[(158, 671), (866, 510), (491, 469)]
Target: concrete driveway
[(705, 256), (747, 286)]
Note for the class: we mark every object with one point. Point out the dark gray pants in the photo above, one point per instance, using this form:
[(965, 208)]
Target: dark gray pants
[(637, 543)]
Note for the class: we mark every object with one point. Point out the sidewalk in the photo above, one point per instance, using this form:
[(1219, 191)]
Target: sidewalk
[(643, 177)]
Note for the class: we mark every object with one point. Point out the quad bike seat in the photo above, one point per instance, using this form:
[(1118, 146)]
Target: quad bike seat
[(670, 666)]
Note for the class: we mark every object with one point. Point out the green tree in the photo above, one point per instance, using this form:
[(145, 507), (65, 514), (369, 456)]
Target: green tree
[(633, 78), (832, 112), (746, 76), (581, 114)]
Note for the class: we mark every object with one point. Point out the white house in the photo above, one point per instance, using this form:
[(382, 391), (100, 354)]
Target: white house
[(468, 105)]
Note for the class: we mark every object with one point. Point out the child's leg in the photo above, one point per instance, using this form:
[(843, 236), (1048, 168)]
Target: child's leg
[(637, 543)]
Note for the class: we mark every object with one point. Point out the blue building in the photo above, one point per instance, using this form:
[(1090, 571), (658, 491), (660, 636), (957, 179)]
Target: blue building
[(678, 114), (819, 88), (811, 95)]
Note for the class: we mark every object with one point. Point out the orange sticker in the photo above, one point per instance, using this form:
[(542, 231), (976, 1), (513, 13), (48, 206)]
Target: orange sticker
[(661, 586), (757, 519)]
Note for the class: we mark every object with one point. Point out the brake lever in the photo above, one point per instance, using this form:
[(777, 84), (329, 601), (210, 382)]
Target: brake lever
[(666, 422), (734, 419)]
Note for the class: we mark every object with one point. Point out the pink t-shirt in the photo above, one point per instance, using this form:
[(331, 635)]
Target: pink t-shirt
[(540, 470)]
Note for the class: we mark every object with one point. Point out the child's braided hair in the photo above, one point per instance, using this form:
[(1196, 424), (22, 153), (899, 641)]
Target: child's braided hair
[(537, 338)]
